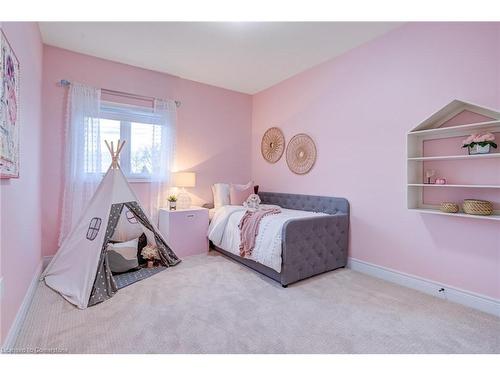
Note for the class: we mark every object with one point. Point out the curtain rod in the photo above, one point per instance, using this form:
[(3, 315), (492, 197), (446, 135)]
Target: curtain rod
[(65, 82)]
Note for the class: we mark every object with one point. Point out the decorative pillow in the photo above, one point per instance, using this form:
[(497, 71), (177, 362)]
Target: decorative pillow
[(221, 195), (239, 193), (122, 256)]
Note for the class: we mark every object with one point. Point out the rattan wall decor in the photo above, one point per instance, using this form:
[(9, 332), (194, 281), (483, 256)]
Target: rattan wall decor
[(272, 145), (301, 154)]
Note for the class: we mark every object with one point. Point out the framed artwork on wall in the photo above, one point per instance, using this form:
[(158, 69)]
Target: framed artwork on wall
[(9, 110)]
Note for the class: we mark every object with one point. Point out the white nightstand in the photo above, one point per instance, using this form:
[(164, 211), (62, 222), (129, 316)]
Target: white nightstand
[(185, 230)]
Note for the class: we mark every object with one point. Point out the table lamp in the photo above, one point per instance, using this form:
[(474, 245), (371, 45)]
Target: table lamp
[(184, 180)]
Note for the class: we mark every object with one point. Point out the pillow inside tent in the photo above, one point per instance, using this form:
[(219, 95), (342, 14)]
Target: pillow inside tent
[(122, 256)]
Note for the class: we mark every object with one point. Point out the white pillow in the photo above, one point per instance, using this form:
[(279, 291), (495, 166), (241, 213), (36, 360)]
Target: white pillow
[(122, 256), (221, 195)]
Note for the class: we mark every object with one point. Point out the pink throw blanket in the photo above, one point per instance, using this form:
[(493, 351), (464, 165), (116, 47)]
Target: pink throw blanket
[(249, 228)]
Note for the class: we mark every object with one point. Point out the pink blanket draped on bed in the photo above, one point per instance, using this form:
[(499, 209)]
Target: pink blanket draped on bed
[(249, 228)]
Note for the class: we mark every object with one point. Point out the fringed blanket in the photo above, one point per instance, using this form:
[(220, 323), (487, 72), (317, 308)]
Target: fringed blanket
[(249, 228)]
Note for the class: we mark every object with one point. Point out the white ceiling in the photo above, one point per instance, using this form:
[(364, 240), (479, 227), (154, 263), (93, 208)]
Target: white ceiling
[(241, 56)]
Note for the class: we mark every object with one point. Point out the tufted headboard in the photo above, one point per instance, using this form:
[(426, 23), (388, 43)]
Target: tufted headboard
[(327, 205)]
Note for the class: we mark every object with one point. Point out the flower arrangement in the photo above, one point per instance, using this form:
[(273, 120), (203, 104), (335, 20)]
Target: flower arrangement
[(172, 198), (480, 143), (150, 253)]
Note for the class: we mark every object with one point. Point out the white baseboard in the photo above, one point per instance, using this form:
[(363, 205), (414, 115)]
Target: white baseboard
[(463, 297), (10, 340)]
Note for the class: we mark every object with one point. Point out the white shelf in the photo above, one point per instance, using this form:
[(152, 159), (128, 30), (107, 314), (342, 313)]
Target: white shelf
[(458, 186), (495, 216), (432, 129), (455, 131), (456, 157)]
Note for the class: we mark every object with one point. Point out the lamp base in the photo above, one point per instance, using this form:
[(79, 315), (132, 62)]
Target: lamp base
[(183, 200)]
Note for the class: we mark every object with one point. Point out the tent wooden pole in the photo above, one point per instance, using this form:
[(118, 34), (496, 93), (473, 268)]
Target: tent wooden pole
[(114, 154), (117, 148), (109, 147), (120, 146)]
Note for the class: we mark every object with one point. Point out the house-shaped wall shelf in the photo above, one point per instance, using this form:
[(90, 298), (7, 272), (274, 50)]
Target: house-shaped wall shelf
[(436, 144)]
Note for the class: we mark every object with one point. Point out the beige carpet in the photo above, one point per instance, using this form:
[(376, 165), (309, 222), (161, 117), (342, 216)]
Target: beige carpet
[(209, 304)]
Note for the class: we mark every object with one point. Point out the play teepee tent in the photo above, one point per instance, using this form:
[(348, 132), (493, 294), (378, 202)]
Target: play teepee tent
[(80, 270)]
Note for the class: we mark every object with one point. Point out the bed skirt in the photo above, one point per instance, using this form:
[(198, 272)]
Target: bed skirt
[(266, 271)]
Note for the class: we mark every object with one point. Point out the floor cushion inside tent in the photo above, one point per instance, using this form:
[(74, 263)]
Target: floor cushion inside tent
[(122, 256), (128, 278), (128, 271)]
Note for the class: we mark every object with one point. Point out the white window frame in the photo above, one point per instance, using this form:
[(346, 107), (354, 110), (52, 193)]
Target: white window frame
[(135, 114)]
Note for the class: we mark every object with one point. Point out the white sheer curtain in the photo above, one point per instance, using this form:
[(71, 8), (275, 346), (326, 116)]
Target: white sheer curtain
[(82, 154), (163, 154)]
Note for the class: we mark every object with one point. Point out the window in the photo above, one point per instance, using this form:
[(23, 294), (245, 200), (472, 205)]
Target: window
[(94, 226), (131, 217), (140, 128)]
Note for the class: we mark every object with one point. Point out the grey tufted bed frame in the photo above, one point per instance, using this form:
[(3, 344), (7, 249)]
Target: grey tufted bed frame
[(311, 245)]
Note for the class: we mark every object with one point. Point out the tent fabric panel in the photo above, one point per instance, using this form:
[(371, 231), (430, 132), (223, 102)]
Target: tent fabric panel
[(104, 284), (167, 256), (72, 270)]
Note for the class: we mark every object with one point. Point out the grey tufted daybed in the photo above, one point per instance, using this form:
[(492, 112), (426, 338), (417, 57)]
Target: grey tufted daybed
[(311, 245)]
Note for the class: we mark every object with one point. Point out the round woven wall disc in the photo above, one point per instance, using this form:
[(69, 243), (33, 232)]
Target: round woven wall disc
[(272, 145), (301, 154)]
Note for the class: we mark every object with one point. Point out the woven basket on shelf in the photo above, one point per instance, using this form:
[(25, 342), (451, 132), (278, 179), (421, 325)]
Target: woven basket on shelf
[(477, 207), (449, 207)]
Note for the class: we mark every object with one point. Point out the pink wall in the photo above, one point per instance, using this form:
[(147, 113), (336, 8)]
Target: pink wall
[(214, 126), (20, 241), (358, 108)]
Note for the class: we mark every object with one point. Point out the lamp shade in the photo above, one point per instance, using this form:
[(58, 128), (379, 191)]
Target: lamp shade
[(184, 179)]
